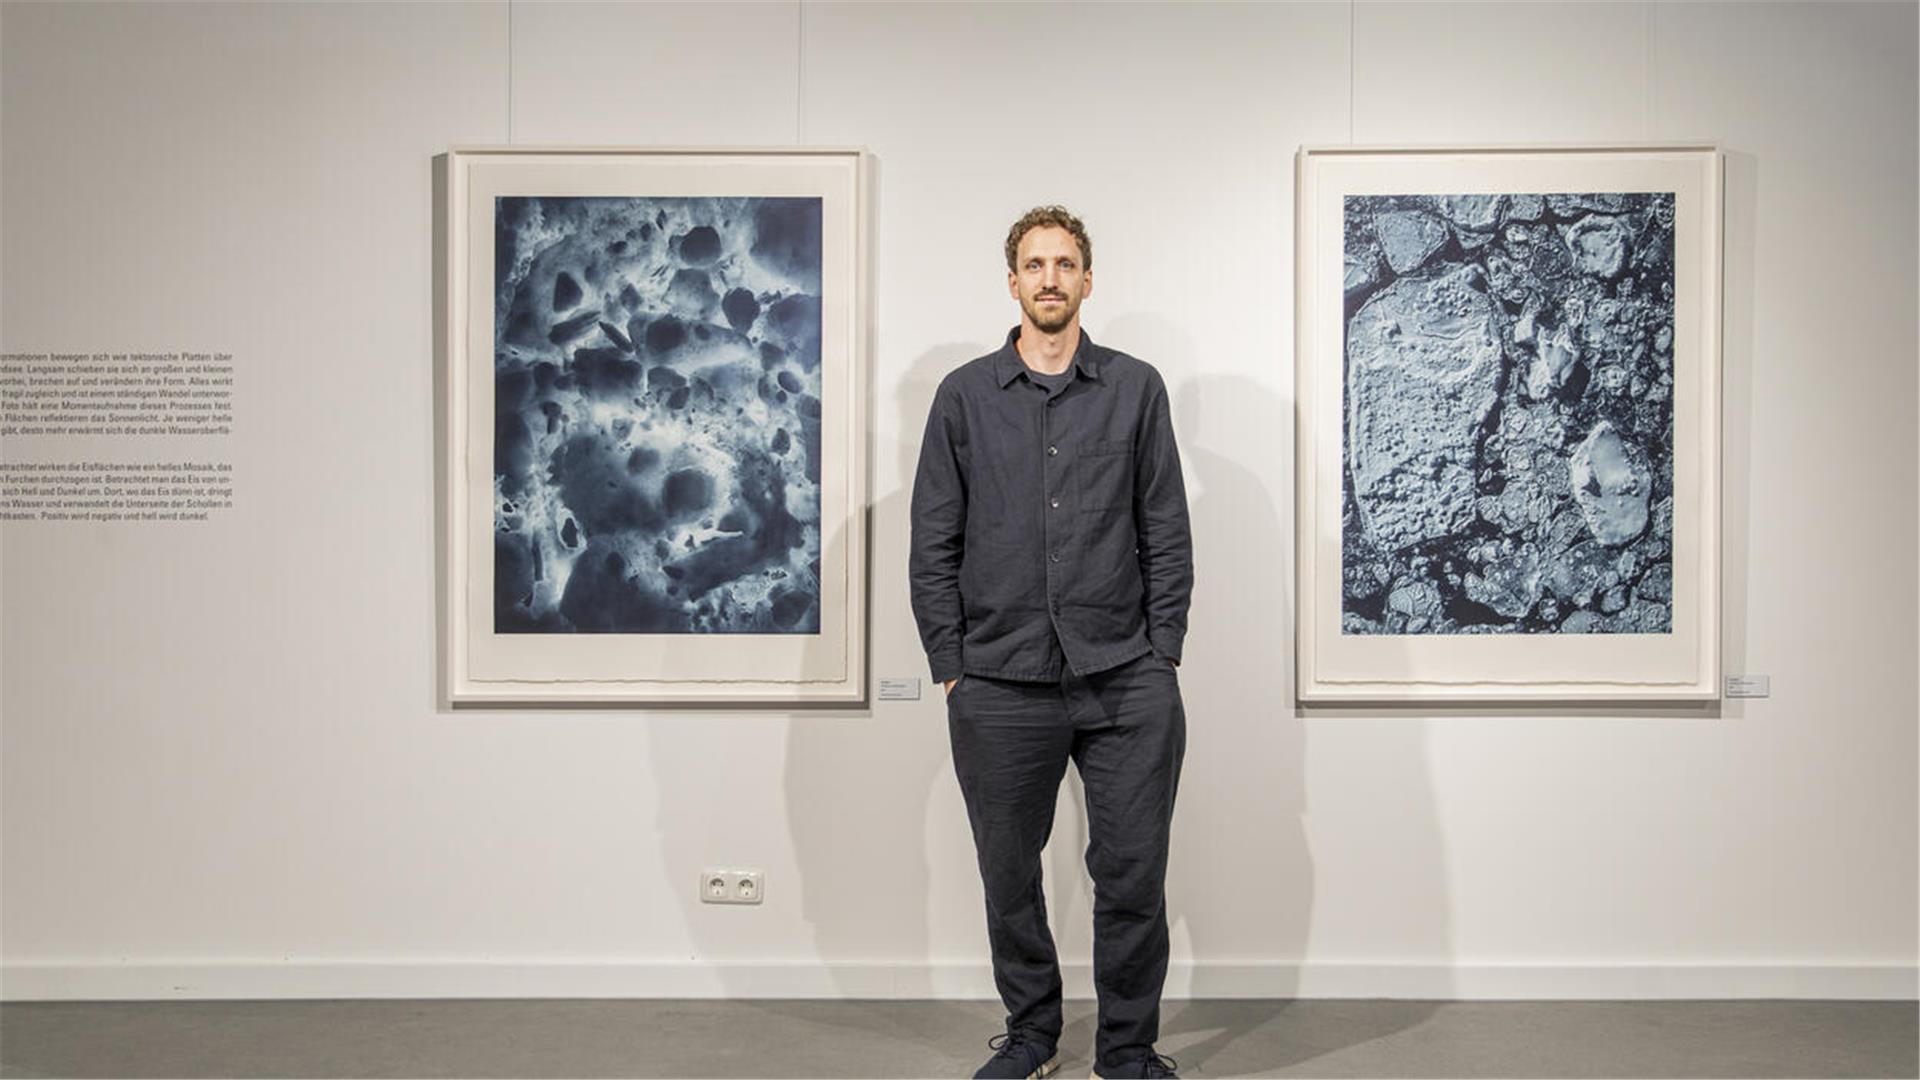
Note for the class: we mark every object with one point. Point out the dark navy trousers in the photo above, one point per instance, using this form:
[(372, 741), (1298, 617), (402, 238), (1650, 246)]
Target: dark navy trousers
[(1125, 729)]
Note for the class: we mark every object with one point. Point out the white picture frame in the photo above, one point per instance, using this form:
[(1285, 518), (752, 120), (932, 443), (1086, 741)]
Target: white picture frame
[(1442, 569), (709, 565)]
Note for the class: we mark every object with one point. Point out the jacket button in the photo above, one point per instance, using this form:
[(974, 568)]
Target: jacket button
[(1052, 450)]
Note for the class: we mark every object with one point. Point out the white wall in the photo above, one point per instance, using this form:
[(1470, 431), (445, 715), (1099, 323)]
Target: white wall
[(224, 771)]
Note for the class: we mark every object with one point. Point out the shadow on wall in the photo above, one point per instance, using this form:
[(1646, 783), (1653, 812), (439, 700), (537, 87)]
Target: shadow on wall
[(1242, 875), (854, 786), (858, 791)]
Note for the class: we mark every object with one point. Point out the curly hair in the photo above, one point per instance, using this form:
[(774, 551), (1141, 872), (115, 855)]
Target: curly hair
[(1041, 217)]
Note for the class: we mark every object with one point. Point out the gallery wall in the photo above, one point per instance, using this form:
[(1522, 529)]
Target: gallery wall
[(223, 768)]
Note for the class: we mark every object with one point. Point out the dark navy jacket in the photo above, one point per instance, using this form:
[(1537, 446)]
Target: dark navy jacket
[(1049, 527)]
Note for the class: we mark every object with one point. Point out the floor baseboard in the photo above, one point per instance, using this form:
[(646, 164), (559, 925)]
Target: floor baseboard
[(332, 979)]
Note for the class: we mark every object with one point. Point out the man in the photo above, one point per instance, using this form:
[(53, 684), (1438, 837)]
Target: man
[(1051, 567)]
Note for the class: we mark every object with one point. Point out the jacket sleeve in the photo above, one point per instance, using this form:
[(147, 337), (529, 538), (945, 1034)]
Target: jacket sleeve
[(1160, 522), (939, 528)]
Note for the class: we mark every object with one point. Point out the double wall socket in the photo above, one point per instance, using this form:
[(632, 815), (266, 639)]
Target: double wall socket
[(731, 886)]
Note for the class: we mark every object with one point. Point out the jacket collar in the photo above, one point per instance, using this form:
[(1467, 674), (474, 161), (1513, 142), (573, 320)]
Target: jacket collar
[(1007, 365)]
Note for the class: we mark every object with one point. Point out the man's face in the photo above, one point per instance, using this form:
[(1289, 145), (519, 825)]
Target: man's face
[(1049, 278)]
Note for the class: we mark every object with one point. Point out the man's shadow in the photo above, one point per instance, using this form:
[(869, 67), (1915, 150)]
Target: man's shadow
[(1241, 876), (862, 792)]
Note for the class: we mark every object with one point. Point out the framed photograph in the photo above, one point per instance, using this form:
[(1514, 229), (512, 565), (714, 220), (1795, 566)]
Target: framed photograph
[(655, 470), (1508, 402)]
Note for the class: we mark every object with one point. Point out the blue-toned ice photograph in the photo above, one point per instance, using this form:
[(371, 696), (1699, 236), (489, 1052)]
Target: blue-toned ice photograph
[(657, 415), (1508, 421)]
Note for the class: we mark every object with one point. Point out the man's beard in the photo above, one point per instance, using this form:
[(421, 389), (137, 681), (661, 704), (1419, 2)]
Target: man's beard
[(1050, 321)]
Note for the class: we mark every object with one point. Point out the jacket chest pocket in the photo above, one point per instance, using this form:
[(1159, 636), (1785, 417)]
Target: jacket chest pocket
[(1106, 474)]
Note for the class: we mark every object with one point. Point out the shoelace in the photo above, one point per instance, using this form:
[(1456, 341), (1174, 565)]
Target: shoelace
[(1159, 1065), (1006, 1044)]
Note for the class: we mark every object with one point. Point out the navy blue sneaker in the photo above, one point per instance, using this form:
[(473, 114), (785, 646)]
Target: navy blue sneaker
[(1019, 1056), (1152, 1065)]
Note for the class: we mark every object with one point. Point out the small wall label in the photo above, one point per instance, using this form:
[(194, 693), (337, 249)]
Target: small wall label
[(900, 689)]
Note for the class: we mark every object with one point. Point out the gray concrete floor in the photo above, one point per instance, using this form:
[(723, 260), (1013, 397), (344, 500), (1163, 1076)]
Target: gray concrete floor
[(915, 1039)]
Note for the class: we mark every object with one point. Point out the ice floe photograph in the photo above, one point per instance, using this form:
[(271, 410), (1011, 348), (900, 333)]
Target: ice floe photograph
[(1508, 414), (657, 415)]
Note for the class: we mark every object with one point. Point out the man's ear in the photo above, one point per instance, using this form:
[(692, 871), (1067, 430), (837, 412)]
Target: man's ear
[(1086, 285), (1013, 285)]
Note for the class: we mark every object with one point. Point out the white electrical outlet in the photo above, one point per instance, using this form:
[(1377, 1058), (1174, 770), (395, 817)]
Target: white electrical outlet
[(732, 886), (746, 887)]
